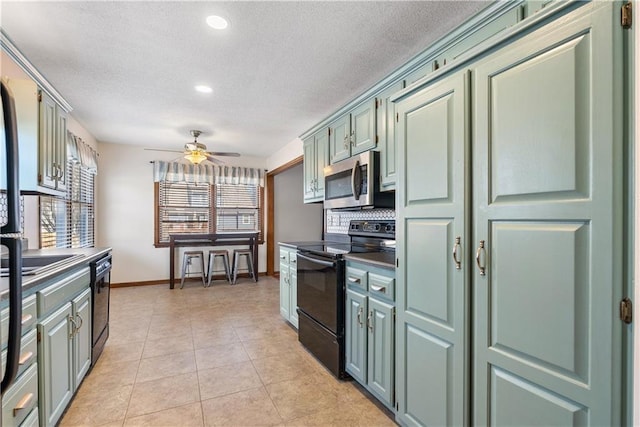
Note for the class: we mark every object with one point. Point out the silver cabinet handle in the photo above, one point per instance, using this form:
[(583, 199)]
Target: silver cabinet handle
[(352, 139), (353, 279), (360, 316), (283, 257), (73, 326), (25, 402), (25, 358), (456, 248), (81, 320), (293, 261), (481, 258), (370, 321), (25, 318), (379, 288)]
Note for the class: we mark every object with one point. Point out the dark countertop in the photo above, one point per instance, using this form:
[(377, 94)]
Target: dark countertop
[(32, 283), (378, 259)]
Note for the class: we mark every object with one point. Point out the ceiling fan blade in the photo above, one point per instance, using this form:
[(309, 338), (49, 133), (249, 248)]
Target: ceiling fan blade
[(160, 149), (214, 160), (219, 153)]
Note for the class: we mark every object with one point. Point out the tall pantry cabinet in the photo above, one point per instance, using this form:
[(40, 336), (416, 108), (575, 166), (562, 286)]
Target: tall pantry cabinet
[(509, 207)]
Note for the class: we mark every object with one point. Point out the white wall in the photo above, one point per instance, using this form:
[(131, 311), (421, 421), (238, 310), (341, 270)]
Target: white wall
[(284, 155), (293, 220), (126, 221)]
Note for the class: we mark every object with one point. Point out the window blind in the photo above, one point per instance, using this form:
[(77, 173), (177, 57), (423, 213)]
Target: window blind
[(69, 222), (203, 208)]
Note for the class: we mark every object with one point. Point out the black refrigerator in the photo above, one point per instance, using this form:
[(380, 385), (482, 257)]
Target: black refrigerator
[(10, 234)]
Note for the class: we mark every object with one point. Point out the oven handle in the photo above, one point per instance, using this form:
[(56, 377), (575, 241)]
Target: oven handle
[(317, 260)]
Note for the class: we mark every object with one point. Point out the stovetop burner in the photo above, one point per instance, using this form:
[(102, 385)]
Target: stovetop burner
[(366, 236)]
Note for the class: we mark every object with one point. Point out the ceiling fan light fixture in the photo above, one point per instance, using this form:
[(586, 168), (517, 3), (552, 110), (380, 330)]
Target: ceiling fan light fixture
[(195, 157), (217, 22)]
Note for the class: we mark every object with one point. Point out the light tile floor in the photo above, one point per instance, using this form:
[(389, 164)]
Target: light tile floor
[(218, 356)]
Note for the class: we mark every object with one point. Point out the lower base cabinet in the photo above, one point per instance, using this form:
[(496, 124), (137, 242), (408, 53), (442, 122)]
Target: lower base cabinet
[(370, 324), (64, 347), (289, 285)]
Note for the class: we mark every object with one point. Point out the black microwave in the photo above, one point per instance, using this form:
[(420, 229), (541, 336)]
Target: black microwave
[(354, 183)]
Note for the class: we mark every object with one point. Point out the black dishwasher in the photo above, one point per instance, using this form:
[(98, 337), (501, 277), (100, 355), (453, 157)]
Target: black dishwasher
[(100, 289)]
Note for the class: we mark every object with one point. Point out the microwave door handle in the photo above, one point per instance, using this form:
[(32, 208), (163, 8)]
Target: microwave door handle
[(356, 180)]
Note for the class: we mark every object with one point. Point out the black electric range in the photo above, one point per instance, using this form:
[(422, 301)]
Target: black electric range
[(322, 290)]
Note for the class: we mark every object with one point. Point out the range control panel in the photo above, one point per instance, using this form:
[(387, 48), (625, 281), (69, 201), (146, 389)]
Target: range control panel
[(374, 228)]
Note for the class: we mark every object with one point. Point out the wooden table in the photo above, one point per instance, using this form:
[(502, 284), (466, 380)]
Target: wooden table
[(211, 239)]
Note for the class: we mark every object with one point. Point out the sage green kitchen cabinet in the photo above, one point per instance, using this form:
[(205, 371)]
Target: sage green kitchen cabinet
[(55, 354), (316, 157), (356, 336), (64, 347), (20, 400), (531, 228), (370, 329), (53, 144), (353, 133), (547, 188), (385, 131), (289, 285), (81, 306)]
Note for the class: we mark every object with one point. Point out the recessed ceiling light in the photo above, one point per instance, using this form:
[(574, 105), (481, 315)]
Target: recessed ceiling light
[(203, 89), (217, 22)]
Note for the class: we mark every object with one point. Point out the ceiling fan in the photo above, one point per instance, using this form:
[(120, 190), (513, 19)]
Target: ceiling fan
[(196, 152)]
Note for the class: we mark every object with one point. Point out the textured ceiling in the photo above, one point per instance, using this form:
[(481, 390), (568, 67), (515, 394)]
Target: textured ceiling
[(129, 68)]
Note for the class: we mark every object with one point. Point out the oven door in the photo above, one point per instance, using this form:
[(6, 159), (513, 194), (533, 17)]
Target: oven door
[(321, 290)]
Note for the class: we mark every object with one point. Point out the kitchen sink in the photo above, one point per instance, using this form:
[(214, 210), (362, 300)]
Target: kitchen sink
[(37, 264)]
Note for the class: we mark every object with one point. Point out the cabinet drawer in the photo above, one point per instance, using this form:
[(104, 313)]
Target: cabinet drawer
[(62, 291), (28, 352), (382, 286), (356, 277), (21, 398), (293, 260), (284, 256), (29, 318)]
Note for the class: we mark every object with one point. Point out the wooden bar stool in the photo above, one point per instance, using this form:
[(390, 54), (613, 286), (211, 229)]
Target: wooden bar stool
[(187, 261), (237, 253), (211, 263)]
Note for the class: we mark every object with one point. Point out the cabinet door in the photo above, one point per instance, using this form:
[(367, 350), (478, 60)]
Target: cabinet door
[(82, 338), (432, 293), (385, 129), (293, 302), (285, 292), (380, 350), (55, 360), (61, 148), (322, 160), (309, 165), (356, 336), (363, 127), (548, 185), (48, 137), (339, 139)]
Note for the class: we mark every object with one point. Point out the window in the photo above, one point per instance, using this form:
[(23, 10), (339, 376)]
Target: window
[(203, 208), (68, 222)]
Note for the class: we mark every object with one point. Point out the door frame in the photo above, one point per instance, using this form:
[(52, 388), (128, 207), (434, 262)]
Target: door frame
[(270, 190)]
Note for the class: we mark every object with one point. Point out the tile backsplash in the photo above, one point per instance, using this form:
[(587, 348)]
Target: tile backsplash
[(337, 221)]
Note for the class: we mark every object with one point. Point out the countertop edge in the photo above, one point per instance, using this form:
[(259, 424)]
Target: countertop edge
[(31, 284)]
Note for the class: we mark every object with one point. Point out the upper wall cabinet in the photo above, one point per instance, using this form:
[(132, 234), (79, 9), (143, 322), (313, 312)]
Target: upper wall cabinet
[(42, 129), (316, 157), (385, 128), (353, 133), (53, 147)]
